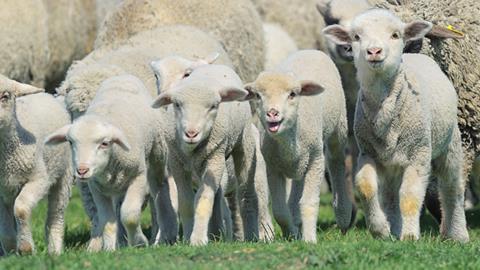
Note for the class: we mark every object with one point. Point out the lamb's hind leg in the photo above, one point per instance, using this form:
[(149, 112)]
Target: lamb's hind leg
[(366, 181), (342, 197), (451, 186), (57, 204), (7, 228)]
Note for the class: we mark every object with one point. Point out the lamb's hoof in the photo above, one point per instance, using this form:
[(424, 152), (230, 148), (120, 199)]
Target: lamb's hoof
[(380, 231), (409, 237), (25, 248), (461, 238), (197, 242), (94, 245)]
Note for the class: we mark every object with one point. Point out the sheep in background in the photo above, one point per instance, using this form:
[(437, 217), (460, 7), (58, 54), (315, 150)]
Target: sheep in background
[(40, 39), (209, 127), (234, 23), (278, 45), (302, 109), (404, 135), (299, 19), (134, 56), (28, 169), (117, 148)]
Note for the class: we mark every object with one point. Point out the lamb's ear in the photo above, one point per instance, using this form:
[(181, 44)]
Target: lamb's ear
[(211, 58), (416, 30), (163, 99), (310, 88), (58, 136), (252, 93), (337, 34), (22, 89), (322, 6), (232, 94), (445, 32), (119, 138)]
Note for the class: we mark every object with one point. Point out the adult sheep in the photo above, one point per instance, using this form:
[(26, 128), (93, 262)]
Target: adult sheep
[(298, 17), (40, 39), (235, 23)]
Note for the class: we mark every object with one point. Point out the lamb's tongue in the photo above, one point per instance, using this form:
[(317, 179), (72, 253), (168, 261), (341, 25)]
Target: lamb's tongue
[(273, 127)]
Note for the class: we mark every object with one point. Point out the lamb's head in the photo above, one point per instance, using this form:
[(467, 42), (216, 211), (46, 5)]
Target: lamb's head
[(9, 90), (341, 12), (196, 101), (92, 141), (278, 95), (378, 38), (171, 69)]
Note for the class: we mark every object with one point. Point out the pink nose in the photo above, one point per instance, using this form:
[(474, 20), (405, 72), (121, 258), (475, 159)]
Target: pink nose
[(374, 51), (82, 170), (272, 113), (191, 134)]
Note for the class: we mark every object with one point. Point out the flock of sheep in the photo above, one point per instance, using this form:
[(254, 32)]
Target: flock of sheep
[(205, 109)]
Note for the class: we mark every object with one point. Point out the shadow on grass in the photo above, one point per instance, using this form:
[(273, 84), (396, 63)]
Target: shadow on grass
[(79, 238)]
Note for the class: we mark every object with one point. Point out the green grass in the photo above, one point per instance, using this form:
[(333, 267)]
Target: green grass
[(355, 250)]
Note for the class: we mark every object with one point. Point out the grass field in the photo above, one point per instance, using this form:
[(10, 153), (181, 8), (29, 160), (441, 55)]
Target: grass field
[(356, 250)]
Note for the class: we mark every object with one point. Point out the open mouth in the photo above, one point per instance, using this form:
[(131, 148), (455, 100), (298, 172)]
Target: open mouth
[(274, 126), (83, 178)]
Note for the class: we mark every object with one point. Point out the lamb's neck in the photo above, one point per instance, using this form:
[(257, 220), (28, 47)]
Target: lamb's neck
[(377, 86), (286, 138), (13, 150)]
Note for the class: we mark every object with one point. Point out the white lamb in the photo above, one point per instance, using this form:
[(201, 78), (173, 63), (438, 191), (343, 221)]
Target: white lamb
[(302, 108), (28, 170), (210, 127), (406, 128), (117, 149)]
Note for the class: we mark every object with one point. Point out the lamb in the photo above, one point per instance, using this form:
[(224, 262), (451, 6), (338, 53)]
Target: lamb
[(28, 170), (117, 148), (134, 56), (210, 127), (403, 134), (459, 59), (278, 44), (302, 109), (234, 23), (299, 18)]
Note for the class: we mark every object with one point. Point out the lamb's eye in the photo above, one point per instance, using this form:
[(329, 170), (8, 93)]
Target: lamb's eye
[(187, 73), (213, 107), (177, 105), (104, 144), (5, 97), (395, 35), (292, 95), (356, 37)]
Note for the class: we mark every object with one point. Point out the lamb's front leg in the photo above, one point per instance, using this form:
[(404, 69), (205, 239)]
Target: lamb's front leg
[(366, 181), (412, 193), (28, 198), (131, 211), (281, 210), (185, 199), (309, 202), (204, 198), (107, 220)]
